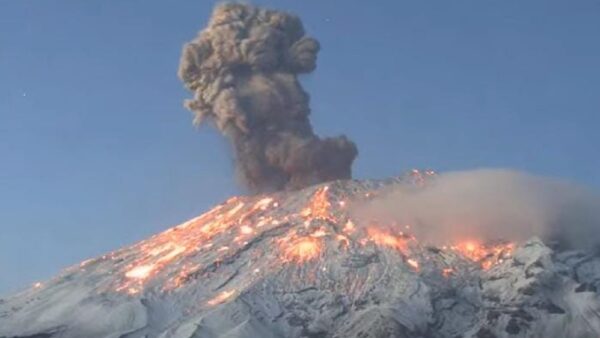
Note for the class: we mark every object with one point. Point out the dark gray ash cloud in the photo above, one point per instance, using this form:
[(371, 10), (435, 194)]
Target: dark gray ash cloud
[(243, 71)]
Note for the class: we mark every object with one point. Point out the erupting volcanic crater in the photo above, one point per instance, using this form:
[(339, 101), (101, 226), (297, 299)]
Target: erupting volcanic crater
[(302, 261), (297, 264)]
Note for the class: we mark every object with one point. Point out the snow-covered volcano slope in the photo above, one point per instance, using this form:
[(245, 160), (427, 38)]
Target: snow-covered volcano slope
[(296, 264)]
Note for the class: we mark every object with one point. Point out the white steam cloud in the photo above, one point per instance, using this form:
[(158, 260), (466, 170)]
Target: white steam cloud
[(490, 205)]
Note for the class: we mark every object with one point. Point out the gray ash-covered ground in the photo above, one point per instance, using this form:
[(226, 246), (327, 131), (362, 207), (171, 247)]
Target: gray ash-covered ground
[(296, 264)]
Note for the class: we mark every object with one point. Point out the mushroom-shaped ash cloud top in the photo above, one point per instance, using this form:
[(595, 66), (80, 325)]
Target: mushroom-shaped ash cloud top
[(243, 70)]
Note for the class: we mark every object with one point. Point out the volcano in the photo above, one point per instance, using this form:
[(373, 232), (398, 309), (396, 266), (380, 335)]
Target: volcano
[(297, 264)]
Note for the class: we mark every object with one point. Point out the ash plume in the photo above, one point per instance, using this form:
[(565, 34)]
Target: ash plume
[(243, 70), (492, 204)]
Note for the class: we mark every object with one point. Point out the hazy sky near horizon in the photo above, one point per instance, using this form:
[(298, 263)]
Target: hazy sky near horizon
[(97, 152)]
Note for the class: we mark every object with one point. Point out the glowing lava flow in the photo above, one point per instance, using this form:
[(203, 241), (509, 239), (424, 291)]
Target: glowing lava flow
[(486, 255), (160, 251), (383, 238), (302, 250), (446, 272), (297, 234), (221, 298), (413, 263), (319, 206), (140, 272)]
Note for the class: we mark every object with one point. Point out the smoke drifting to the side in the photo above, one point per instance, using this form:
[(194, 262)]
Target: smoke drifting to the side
[(491, 205), (243, 72)]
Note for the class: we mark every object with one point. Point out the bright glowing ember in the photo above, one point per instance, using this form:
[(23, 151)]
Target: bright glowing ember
[(304, 249), (319, 205), (139, 272), (383, 238), (486, 255), (413, 263), (221, 298), (446, 272)]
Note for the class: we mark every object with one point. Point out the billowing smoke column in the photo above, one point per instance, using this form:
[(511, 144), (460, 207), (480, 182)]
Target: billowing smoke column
[(243, 72)]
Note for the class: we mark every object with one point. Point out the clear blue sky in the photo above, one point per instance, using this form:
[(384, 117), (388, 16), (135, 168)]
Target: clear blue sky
[(96, 150)]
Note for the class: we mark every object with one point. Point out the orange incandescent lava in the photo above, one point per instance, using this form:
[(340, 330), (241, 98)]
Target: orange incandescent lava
[(221, 297), (446, 272), (302, 250), (296, 237), (486, 255), (157, 253), (382, 238), (319, 205), (414, 263)]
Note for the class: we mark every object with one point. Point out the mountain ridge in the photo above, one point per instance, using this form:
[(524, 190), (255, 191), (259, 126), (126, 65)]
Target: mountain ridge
[(299, 264)]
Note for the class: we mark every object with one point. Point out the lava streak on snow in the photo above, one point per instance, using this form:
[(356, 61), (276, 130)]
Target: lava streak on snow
[(301, 250), (319, 206), (281, 230), (383, 238), (221, 298), (486, 255)]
